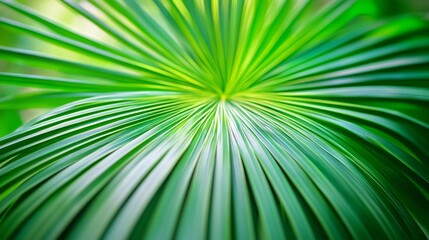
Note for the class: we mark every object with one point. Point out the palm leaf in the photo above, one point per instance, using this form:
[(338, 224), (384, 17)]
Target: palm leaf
[(219, 119)]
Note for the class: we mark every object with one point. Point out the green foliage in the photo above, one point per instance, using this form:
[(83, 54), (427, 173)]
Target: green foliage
[(219, 119)]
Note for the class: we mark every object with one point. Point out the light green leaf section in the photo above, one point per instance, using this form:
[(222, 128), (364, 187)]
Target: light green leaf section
[(220, 120)]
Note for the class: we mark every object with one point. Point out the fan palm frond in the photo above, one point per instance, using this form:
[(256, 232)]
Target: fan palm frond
[(220, 119)]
